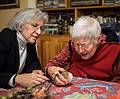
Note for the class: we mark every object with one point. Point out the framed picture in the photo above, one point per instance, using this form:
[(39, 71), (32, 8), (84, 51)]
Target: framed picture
[(4, 4)]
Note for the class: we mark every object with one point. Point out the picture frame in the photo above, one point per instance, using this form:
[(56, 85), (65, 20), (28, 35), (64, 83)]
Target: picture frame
[(6, 4)]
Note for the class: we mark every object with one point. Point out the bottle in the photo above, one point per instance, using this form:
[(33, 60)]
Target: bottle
[(71, 22), (60, 25), (65, 27)]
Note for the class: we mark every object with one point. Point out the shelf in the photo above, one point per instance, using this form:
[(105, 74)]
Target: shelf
[(83, 7), (56, 9), (47, 36), (101, 11), (98, 7)]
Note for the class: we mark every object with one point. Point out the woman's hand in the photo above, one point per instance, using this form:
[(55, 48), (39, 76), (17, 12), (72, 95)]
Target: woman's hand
[(30, 79), (54, 73)]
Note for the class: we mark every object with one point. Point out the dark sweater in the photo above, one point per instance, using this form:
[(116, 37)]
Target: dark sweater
[(9, 57)]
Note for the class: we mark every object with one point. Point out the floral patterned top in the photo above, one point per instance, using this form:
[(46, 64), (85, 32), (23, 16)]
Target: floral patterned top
[(64, 57)]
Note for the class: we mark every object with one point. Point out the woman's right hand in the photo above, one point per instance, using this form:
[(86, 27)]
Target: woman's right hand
[(30, 79), (54, 73)]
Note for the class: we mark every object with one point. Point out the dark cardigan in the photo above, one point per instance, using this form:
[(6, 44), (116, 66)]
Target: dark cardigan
[(9, 57)]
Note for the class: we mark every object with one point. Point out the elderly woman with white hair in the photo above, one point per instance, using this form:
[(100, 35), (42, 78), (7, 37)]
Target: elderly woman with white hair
[(87, 54), (19, 64)]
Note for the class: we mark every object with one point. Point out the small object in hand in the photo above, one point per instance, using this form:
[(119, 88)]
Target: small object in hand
[(67, 75)]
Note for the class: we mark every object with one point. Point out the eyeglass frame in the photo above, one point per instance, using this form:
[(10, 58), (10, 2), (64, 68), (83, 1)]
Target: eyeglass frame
[(36, 26), (82, 46)]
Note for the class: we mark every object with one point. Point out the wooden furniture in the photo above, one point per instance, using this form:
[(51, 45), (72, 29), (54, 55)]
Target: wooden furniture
[(99, 9), (48, 46)]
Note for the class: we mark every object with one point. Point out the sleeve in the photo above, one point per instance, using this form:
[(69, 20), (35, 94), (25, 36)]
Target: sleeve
[(116, 68), (5, 45), (62, 59), (12, 81)]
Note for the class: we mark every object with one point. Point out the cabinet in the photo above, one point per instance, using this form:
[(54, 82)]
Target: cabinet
[(48, 46), (99, 8), (106, 11)]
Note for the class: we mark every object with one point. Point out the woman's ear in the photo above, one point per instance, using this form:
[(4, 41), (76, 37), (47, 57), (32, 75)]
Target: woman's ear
[(101, 38)]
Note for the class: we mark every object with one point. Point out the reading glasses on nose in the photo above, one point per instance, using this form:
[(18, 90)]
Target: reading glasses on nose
[(82, 46), (36, 26)]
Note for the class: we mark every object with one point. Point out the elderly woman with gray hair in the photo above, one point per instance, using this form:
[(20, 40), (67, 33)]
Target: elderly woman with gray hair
[(87, 54), (19, 64)]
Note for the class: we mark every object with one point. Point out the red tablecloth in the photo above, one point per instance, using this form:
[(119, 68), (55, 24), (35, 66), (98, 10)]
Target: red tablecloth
[(82, 88)]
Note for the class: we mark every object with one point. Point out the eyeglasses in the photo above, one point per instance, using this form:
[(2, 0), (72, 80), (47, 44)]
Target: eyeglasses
[(36, 26), (82, 46), (42, 28)]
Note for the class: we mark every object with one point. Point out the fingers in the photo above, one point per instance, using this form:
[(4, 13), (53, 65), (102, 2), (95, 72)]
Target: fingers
[(30, 79), (60, 80), (38, 81), (40, 78), (61, 70), (38, 72), (53, 70)]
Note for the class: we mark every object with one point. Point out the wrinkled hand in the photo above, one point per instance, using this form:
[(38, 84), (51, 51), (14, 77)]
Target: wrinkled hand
[(30, 79), (59, 79)]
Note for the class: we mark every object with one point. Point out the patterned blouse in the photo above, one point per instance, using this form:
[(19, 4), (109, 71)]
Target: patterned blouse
[(64, 57)]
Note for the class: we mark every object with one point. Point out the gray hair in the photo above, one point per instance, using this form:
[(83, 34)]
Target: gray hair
[(26, 14), (86, 27)]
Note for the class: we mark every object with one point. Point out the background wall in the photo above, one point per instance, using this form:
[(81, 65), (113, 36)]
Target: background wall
[(6, 14)]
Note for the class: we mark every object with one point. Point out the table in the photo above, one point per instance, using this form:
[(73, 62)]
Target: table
[(82, 88)]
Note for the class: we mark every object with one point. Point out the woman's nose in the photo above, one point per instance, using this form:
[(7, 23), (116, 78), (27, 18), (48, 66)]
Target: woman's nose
[(81, 50), (38, 31)]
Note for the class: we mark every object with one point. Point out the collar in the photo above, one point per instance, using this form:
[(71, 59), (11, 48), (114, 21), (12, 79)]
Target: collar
[(21, 39)]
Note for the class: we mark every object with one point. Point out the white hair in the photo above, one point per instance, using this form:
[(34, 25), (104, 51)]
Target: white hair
[(24, 15), (86, 27)]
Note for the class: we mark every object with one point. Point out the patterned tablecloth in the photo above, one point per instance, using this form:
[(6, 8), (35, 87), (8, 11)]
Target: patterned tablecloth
[(82, 88)]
